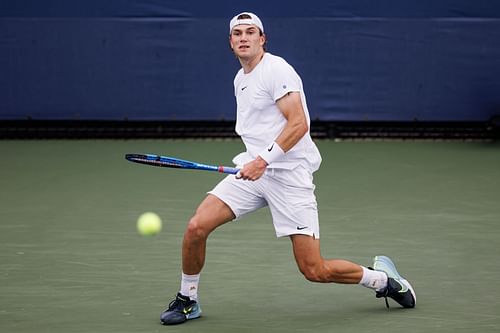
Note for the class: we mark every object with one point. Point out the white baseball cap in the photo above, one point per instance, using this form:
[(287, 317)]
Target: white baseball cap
[(253, 20)]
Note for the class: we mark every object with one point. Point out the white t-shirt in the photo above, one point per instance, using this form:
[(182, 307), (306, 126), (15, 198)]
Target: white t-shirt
[(259, 121)]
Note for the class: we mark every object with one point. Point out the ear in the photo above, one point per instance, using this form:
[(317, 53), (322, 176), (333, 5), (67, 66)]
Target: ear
[(262, 39), (230, 43)]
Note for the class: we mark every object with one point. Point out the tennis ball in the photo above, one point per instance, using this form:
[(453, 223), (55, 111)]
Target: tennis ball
[(149, 224)]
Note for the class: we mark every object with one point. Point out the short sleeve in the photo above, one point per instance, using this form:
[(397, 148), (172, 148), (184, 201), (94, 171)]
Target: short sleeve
[(284, 80)]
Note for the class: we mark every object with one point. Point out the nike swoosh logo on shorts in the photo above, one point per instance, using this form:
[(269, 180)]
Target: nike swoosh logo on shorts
[(301, 228)]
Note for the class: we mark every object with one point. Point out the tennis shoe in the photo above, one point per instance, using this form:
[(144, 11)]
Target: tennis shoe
[(398, 288), (182, 308)]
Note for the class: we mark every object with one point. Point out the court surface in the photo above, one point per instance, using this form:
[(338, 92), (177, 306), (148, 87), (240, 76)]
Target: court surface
[(71, 260)]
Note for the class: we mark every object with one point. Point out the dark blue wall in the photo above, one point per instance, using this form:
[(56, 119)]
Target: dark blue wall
[(166, 60)]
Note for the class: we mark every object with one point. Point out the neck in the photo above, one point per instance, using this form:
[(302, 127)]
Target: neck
[(250, 63)]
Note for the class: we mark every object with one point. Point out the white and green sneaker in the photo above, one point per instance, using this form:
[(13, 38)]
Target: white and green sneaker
[(398, 288)]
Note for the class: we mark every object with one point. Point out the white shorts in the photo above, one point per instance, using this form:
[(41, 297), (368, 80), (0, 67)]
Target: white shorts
[(288, 193)]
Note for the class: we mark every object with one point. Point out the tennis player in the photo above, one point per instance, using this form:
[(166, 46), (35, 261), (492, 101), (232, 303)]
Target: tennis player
[(276, 171)]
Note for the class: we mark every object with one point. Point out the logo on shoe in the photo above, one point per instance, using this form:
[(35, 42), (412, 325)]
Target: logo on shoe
[(404, 287), (188, 310)]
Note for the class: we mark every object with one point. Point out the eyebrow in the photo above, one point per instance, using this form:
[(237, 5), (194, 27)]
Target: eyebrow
[(246, 29)]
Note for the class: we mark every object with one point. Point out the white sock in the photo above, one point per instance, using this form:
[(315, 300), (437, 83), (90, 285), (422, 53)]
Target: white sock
[(189, 286), (373, 279)]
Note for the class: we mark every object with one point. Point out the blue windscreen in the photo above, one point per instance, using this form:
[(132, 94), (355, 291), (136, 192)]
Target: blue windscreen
[(170, 60)]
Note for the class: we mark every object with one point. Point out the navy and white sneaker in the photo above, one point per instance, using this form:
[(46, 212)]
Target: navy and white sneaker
[(182, 308), (398, 288)]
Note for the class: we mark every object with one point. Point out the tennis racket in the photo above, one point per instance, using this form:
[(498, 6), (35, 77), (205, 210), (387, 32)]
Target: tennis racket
[(172, 162)]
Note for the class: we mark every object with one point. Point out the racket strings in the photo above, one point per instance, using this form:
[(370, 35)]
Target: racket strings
[(157, 162)]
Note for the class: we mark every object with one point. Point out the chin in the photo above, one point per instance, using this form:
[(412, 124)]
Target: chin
[(242, 55)]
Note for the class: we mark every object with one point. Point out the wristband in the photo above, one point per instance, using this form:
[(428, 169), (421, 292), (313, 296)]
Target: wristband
[(272, 153)]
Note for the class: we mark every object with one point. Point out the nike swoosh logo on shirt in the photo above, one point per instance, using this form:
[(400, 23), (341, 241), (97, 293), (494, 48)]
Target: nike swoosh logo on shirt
[(269, 149), (244, 88)]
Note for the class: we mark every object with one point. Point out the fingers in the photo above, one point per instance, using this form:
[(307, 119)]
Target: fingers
[(246, 176), (243, 176), (251, 171)]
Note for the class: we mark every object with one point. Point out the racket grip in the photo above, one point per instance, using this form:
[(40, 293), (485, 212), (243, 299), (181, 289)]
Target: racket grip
[(225, 169)]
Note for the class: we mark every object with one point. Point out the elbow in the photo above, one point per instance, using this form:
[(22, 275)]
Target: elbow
[(302, 128)]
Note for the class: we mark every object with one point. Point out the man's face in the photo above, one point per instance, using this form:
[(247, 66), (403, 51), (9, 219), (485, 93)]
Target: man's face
[(246, 41)]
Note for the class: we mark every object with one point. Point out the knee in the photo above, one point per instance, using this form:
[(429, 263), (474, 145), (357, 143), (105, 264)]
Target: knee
[(195, 229)]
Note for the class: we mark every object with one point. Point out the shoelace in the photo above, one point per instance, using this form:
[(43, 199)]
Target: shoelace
[(384, 295), (386, 302), (175, 304), (385, 292)]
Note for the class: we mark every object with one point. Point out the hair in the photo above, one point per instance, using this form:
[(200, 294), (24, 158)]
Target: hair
[(246, 16)]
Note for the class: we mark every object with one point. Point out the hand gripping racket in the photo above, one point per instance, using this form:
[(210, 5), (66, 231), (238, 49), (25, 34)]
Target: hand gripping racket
[(172, 162)]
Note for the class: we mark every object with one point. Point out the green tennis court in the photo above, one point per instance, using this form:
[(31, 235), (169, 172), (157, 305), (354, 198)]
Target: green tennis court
[(72, 261)]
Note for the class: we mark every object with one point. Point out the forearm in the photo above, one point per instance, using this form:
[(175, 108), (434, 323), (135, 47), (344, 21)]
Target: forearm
[(297, 125), (291, 134)]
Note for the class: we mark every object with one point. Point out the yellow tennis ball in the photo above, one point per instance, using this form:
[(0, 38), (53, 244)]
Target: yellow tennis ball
[(149, 224)]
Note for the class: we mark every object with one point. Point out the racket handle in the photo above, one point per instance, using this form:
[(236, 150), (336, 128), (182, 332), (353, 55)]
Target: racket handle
[(225, 169)]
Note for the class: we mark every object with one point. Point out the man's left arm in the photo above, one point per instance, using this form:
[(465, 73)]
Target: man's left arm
[(296, 127)]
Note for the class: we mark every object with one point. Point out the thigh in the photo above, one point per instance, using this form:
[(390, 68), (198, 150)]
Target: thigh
[(306, 250), (211, 213)]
